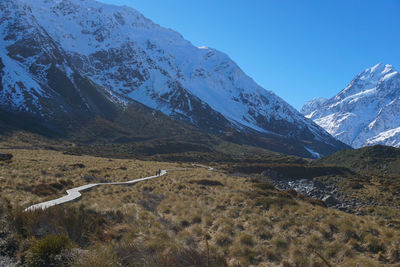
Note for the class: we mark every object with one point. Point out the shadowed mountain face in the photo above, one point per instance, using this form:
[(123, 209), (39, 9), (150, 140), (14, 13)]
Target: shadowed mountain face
[(67, 62), (366, 112)]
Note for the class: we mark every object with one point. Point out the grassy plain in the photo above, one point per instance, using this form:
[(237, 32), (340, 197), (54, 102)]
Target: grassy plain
[(190, 217)]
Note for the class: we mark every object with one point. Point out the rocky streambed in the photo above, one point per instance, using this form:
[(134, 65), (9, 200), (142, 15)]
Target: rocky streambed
[(327, 192), (6, 261)]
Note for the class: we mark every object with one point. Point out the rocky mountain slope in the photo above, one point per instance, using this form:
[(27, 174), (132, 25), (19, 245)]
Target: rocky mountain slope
[(365, 112), (67, 59)]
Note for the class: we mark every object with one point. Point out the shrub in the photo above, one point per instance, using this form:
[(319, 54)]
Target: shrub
[(267, 202), (98, 256), (246, 239), (270, 254), (79, 224), (265, 235), (280, 243), (349, 233), (44, 190), (243, 251), (223, 240), (375, 245), (395, 254), (206, 182), (43, 251), (192, 257), (196, 219), (265, 186)]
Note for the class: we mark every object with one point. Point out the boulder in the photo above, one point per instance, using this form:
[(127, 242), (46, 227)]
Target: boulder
[(330, 200), (318, 184)]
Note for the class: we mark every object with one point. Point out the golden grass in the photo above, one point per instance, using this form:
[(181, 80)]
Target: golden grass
[(248, 224), (30, 168)]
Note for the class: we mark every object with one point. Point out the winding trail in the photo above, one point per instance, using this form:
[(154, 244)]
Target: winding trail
[(75, 193)]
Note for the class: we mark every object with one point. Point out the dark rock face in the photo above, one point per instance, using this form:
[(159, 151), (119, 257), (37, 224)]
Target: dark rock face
[(4, 157)]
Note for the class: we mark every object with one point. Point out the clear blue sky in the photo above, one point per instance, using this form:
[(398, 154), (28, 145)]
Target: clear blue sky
[(298, 49)]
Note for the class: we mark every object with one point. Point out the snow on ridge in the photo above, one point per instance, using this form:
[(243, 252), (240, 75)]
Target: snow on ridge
[(365, 111), (134, 58), (313, 153), (312, 105), (85, 27), (390, 137)]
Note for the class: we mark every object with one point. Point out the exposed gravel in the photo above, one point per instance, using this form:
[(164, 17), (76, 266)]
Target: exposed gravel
[(6, 262), (329, 193)]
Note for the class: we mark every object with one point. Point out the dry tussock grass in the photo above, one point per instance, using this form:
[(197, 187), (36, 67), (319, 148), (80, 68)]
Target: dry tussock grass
[(23, 178), (180, 217)]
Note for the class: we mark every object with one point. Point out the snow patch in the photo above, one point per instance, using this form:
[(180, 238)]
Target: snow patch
[(313, 153)]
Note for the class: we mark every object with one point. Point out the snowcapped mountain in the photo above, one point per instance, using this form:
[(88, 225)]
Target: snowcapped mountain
[(63, 57), (366, 112), (312, 105)]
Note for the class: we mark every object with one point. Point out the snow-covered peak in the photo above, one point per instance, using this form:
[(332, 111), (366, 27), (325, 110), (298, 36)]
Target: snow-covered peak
[(87, 26), (365, 111), (132, 58), (376, 72), (368, 79), (312, 105)]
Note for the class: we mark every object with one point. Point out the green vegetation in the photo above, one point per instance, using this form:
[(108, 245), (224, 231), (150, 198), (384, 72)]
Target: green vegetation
[(42, 252), (375, 160)]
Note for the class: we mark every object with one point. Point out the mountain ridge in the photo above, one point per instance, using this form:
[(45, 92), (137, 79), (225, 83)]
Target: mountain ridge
[(110, 57), (363, 113)]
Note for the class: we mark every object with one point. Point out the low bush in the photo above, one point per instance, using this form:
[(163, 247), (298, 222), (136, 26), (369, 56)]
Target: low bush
[(44, 190), (79, 224), (43, 252), (206, 182), (265, 186), (222, 240), (246, 239)]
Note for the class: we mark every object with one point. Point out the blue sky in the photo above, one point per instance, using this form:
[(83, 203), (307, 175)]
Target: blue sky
[(298, 49)]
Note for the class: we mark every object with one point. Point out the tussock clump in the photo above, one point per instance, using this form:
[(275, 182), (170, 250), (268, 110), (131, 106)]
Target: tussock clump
[(223, 240), (80, 225), (44, 252), (44, 190), (246, 239), (206, 182)]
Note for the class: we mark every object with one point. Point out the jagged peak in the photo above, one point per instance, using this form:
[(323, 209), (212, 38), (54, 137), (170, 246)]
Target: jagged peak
[(368, 79), (377, 71)]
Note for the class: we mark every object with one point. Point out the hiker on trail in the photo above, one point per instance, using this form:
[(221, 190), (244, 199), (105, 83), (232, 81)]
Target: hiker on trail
[(159, 171)]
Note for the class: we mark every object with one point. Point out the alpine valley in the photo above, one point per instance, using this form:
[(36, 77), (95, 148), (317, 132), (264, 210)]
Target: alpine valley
[(122, 144), (68, 65)]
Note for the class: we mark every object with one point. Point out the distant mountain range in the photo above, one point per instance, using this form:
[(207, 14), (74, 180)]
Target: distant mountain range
[(366, 112), (65, 62)]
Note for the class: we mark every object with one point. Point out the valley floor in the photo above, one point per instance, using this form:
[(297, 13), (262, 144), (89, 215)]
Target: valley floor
[(190, 217)]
